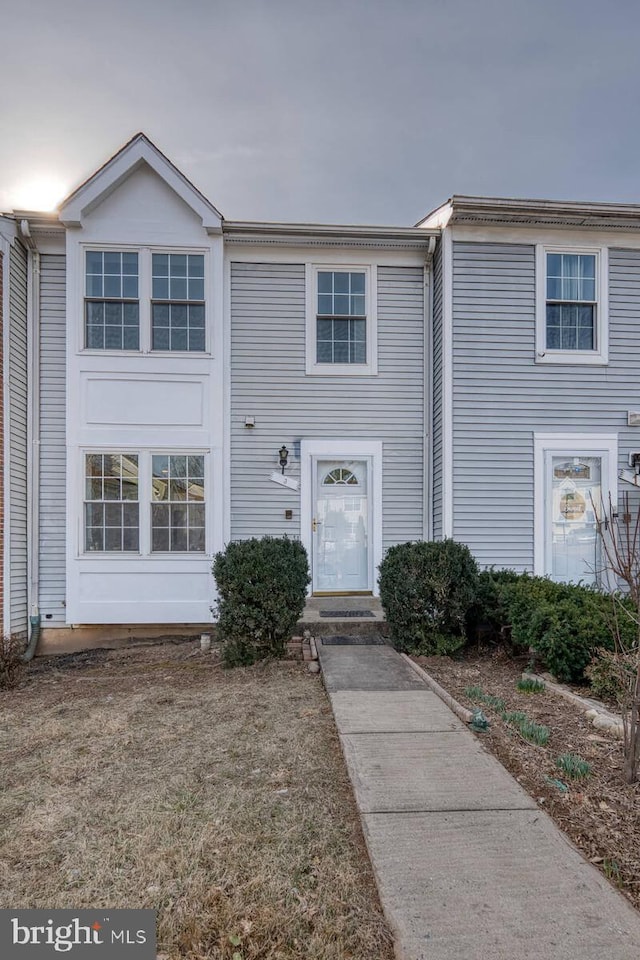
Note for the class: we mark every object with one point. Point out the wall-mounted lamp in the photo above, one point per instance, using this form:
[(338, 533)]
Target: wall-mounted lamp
[(283, 453)]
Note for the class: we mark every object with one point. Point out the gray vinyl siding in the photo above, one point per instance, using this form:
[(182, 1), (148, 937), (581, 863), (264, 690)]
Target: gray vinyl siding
[(52, 440), (502, 396), (268, 382), (17, 427), (436, 462)]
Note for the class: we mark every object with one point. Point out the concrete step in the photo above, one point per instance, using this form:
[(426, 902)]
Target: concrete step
[(343, 622)]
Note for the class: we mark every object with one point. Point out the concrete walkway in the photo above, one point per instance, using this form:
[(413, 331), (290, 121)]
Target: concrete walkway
[(467, 865)]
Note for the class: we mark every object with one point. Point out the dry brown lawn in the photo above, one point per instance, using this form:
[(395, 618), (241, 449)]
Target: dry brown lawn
[(150, 777)]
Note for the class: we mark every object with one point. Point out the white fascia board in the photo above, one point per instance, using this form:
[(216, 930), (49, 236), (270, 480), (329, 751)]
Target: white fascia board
[(130, 158)]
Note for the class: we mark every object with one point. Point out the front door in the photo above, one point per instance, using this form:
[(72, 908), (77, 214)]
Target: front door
[(341, 526)]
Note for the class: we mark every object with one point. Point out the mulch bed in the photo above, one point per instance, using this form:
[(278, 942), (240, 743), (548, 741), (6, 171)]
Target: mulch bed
[(601, 814)]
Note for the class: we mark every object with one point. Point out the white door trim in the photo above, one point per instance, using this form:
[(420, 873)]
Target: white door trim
[(573, 445), (310, 450)]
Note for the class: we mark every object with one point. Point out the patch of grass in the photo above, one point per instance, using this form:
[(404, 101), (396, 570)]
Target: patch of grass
[(219, 799), (529, 729), (515, 717), (535, 732), (477, 695), (529, 685), (573, 766), (611, 870)]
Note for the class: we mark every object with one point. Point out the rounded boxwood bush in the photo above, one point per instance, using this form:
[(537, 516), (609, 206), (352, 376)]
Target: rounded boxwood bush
[(262, 586), (563, 623), (427, 590)]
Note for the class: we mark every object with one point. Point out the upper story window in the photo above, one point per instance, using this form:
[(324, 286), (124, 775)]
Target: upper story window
[(145, 300), (177, 309), (341, 332), (572, 306), (341, 320), (112, 308)]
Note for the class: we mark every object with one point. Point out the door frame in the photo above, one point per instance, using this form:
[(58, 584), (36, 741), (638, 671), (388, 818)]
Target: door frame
[(603, 445), (313, 450)]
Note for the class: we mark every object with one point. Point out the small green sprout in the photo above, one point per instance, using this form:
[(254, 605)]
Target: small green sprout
[(530, 685), (573, 766)]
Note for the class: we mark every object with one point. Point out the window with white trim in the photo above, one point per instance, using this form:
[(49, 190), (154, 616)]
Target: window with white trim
[(145, 300), (177, 306), (572, 305), (111, 508), (341, 319), (112, 308), (341, 324), (178, 507)]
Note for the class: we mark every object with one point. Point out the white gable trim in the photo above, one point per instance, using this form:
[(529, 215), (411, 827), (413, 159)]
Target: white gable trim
[(137, 152)]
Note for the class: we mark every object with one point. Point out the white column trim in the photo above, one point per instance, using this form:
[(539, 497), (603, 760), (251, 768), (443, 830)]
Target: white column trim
[(447, 383)]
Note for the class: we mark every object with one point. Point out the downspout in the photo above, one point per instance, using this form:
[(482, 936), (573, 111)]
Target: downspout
[(33, 441), (427, 432)]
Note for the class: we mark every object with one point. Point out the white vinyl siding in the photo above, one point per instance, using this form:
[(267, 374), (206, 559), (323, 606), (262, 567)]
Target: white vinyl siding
[(16, 423), (268, 382), (52, 440)]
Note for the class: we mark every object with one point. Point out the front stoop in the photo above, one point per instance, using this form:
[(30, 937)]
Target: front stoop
[(373, 623)]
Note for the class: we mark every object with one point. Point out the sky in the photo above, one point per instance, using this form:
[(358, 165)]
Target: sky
[(336, 111)]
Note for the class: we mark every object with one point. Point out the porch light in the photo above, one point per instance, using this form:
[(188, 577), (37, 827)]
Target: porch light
[(283, 453)]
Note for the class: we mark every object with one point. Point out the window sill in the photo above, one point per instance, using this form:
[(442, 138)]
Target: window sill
[(137, 555), (573, 358), (341, 370), (114, 352)]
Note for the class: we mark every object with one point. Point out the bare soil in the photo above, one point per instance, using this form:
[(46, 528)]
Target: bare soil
[(150, 777), (601, 813)]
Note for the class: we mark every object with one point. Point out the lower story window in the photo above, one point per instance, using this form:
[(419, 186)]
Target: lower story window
[(111, 508), (178, 507)]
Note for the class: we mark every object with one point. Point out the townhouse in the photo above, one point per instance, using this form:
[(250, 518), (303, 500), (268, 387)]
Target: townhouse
[(194, 380)]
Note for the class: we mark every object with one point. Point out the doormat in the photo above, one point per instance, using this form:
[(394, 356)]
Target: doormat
[(334, 614), (353, 641)]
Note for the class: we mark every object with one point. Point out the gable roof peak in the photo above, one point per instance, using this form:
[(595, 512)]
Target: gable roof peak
[(136, 152)]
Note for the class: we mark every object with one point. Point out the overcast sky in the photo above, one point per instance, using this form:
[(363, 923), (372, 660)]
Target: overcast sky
[(349, 111)]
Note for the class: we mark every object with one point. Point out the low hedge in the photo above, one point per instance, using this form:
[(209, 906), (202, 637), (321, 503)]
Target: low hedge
[(262, 587), (563, 623), (426, 590)]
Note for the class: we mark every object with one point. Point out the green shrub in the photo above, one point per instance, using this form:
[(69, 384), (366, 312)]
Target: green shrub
[(562, 623), (426, 590), (488, 615), (261, 594)]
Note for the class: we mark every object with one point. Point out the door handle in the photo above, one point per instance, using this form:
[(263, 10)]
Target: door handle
[(315, 524)]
